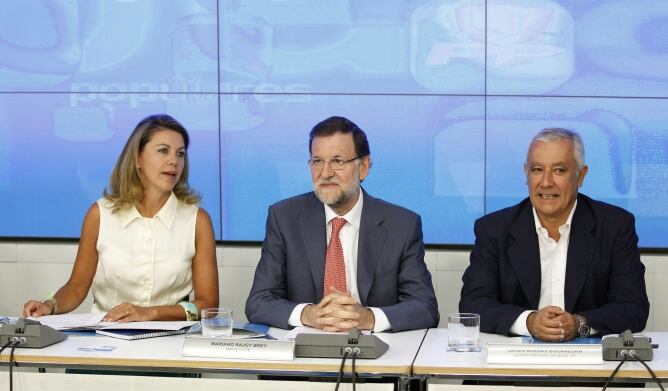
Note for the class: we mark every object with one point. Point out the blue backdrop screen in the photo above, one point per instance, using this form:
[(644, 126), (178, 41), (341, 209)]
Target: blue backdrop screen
[(449, 92)]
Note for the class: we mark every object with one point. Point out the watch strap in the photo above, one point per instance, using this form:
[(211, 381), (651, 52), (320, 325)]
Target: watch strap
[(584, 330)]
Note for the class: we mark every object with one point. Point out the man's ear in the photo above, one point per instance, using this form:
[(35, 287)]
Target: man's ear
[(365, 167), (582, 174)]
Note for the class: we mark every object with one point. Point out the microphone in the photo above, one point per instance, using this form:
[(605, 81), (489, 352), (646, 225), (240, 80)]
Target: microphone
[(28, 333), (335, 345), (627, 347)]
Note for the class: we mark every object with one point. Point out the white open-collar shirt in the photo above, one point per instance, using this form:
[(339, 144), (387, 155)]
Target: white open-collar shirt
[(144, 261), (553, 256)]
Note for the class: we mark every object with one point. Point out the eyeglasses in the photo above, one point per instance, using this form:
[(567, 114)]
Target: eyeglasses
[(334, 164)]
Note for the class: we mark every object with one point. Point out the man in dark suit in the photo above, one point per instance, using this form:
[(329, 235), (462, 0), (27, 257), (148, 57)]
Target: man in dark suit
[(376, 280), (558, 265)]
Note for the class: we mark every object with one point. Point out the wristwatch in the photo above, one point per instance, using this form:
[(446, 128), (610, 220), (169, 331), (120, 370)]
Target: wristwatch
[(583, 328), (54, 304)]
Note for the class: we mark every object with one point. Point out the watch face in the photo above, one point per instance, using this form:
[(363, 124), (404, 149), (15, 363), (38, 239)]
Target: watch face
[(583, 328)]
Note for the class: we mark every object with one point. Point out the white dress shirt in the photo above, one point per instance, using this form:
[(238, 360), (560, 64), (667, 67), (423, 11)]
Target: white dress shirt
[(144, 261), (553, 256), (349, 236)]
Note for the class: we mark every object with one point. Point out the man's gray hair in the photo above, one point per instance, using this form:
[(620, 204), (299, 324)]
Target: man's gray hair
[(554, 134)]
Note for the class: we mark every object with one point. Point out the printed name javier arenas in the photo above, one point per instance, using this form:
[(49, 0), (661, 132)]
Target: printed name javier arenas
[(239, 344), (550, 351)]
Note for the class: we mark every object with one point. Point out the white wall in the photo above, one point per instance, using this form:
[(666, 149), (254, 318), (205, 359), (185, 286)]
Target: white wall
[(36, 270)]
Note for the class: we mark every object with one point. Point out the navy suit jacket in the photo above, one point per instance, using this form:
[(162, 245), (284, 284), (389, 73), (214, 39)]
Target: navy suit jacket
[(604, 276), (391, 273)]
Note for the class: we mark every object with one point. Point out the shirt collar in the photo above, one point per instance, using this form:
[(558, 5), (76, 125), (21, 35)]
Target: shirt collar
[(166, 214), (353, 217), (565, 227)]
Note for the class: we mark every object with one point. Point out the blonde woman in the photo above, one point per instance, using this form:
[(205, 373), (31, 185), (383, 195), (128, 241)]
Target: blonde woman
[(146, 246)]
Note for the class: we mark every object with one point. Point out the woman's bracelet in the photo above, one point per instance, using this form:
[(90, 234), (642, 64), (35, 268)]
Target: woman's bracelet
[(191, 310), (54, 304)]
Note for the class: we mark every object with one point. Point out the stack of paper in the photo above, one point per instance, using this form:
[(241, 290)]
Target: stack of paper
[(127, 330), (141, 330), (73, 321)]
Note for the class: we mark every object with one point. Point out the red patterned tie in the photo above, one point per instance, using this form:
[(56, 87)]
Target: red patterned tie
[(335, 268)]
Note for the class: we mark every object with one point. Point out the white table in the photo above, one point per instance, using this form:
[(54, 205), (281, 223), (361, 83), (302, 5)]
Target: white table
[(25, 381), (434, 360), (164, 355)]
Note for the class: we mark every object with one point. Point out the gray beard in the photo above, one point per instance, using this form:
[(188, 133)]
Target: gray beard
[(333, 201), (336, 201)]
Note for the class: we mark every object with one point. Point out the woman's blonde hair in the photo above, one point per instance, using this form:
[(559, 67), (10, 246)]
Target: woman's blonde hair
[(125, 189)]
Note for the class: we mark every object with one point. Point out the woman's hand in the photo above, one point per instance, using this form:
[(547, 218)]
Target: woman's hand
[(126, 312), (37, 308)]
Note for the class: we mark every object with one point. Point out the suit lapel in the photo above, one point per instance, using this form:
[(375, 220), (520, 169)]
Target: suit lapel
[(524, 254), (314, 235), (581, 246), (371, 244)]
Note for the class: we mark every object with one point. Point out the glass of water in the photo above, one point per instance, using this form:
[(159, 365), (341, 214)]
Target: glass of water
[(464, 332), (217, 322)]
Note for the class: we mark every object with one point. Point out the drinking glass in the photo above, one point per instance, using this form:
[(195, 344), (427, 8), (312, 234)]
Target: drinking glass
[(464, 332), (217, 322)]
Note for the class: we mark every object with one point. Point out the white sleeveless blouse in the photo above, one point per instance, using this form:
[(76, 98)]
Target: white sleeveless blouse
[(144, 261)]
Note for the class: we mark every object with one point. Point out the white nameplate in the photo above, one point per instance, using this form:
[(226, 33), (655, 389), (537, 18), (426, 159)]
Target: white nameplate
[(544, 353), (247, 349)]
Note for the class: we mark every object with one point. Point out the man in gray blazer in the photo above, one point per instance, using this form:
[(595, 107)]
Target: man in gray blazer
[(385, 285)]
